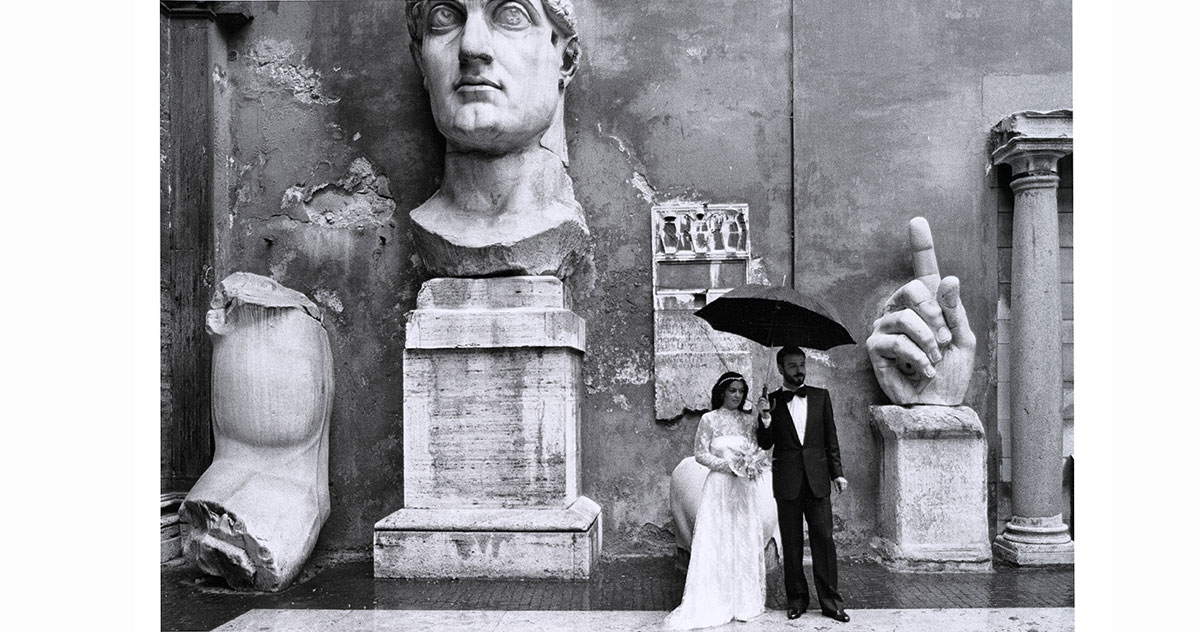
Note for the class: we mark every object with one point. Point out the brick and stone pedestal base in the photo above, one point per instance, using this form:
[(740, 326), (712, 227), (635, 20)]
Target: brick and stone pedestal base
[(932, 489), (493, 392)]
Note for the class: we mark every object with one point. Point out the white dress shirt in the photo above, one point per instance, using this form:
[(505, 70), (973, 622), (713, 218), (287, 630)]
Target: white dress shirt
[(798, 407)]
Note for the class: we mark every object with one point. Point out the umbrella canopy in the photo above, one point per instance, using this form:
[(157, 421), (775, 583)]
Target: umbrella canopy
[(776, 317)]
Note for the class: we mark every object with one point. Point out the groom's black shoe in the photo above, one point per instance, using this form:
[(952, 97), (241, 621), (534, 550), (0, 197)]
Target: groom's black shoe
[(794, 613), (837, 615)]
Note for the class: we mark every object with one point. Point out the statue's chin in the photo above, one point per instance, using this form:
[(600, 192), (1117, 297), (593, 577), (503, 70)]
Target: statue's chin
[(480, 127)]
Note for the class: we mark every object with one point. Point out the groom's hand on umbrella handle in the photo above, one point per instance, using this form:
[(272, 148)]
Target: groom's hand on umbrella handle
[(763, 405)]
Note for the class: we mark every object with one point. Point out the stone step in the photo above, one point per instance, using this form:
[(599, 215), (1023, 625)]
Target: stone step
[(959, 620)]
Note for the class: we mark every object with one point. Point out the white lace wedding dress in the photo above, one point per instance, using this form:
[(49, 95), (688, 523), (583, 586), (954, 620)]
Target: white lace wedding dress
[(726, 577)]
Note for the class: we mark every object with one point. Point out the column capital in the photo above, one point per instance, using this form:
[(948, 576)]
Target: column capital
[(1032, 142)]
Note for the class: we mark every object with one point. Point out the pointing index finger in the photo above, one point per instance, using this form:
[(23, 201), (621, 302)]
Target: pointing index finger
[(924, 259)]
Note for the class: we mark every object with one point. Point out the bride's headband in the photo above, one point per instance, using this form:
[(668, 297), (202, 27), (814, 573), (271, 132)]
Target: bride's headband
[(732, 378)]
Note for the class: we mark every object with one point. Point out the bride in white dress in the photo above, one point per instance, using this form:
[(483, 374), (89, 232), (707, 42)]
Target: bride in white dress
[(726, 577)]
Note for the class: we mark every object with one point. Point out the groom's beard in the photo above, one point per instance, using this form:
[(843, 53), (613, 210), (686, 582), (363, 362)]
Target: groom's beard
[(794, 383)]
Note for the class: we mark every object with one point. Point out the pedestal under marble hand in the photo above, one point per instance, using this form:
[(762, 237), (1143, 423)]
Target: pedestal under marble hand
[(496, 72), (255, 514)]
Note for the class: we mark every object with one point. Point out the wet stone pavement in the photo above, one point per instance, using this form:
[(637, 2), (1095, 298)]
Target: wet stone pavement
[(192, 600)]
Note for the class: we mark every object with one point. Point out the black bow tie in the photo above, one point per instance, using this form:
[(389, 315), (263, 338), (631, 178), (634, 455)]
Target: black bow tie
[(787, 395)]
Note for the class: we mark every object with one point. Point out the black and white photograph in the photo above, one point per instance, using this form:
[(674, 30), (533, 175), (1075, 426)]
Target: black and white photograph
[(442, 288), (631, 315)]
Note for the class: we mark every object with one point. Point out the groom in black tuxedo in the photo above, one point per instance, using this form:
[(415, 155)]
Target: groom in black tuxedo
[(797, 420)]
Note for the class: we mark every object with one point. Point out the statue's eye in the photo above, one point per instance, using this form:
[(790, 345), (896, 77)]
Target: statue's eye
[(444, 17), (512, 15)]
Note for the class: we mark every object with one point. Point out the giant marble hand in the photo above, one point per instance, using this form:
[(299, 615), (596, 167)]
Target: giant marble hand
[(922, 348)]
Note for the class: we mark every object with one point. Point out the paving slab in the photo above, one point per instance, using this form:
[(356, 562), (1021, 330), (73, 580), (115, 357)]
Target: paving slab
[(889, 620), (191, 600)]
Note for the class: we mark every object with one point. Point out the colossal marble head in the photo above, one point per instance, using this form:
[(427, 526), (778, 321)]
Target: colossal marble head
[(496, 70)]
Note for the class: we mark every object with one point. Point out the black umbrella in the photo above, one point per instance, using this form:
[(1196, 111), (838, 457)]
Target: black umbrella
[(776, 317)]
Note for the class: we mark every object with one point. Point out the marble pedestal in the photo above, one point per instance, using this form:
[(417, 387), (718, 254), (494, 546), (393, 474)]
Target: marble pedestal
[(493, 393), (932, 489)]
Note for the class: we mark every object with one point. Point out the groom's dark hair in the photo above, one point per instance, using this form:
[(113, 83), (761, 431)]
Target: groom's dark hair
[(787, 351)]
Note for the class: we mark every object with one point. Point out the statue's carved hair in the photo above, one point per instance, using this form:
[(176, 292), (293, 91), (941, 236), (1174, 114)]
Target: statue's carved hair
[(560, 12)]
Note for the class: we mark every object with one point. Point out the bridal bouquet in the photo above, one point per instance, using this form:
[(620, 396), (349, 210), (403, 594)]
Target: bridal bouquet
[(750, 463), (747, 460)]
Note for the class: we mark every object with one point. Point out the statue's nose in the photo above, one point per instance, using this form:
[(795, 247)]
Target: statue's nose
[(476, 42)]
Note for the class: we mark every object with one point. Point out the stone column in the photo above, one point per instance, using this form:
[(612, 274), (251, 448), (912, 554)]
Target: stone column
[(1036, 534), (493, 396)]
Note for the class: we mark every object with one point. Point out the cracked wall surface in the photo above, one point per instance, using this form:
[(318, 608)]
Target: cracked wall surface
[(332, 144)]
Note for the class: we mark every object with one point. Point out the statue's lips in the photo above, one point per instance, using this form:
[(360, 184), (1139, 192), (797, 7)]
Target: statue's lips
[(475, 83)]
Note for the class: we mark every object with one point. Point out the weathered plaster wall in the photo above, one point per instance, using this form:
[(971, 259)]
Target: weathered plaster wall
[(331, 144), (893, 106), (680, 100)]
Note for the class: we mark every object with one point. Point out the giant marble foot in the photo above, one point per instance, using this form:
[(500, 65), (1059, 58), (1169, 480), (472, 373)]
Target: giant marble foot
[(255, 514)]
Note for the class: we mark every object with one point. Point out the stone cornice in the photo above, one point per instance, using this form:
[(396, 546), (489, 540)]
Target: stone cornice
[(925, 422), (213, 11), (1032, 142)]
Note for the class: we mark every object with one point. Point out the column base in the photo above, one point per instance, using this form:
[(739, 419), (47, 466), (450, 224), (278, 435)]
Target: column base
[(1035, 542), (495, 543)]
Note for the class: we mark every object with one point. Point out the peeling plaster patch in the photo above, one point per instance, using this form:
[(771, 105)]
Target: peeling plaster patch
[(630, 371), (620, 143), (643, 186), (758, 271), (592, 387), (293, 196), (218, 76), (361, 197), (273, 60), (329, 299), (279, 268), (621, 401), (639, 181), (820, 356)]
